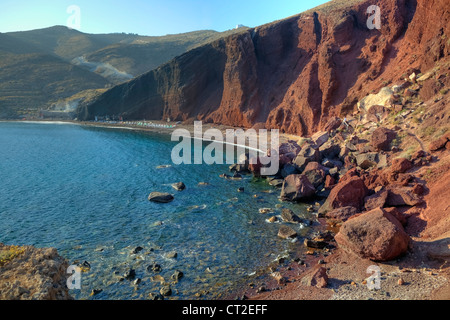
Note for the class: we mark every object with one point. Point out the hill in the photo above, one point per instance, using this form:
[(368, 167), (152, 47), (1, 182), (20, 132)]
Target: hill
[(294, 74), (40, 68)]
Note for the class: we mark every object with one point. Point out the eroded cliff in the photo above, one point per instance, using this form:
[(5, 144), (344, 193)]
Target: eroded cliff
[(294, 74)]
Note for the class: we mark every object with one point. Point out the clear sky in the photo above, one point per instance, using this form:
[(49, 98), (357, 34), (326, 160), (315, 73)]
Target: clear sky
[(148, 17)]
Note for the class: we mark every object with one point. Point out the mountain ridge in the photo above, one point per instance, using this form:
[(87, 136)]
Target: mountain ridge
[(294, 74)]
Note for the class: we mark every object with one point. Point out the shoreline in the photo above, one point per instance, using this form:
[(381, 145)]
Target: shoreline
[(347, 272), (156, 129)]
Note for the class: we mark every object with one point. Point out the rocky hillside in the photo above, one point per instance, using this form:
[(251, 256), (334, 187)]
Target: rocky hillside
[(40, 68), (293, 74), (28, 273)]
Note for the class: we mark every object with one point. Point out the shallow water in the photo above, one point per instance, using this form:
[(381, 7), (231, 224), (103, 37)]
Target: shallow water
[(84, 191)]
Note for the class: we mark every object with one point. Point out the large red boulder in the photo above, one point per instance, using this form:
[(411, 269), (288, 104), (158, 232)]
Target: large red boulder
[(349, 192), (402, 196), (375, 235), (382, 138), (439, 143), (297, 187), (401, 165)]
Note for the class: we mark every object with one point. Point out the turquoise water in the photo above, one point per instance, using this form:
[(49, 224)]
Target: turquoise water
[(83, 190)]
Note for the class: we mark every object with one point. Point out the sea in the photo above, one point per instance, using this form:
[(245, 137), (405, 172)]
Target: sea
[(84, 191)]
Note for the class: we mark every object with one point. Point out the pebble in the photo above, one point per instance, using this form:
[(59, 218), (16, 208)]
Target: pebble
[(401, 282), (154, 296), (96, 292), (154, 267), (273, 219), (137, 250), (130, 274), (177, 275), (172, 255), (166, 291)]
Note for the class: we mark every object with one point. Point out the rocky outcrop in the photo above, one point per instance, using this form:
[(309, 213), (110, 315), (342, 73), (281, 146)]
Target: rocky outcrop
[(295, 74), (297, 187), (376, 235), (28, 273), (347, 193)]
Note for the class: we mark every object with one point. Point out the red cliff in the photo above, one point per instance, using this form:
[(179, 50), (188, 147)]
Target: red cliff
[(294, 74)]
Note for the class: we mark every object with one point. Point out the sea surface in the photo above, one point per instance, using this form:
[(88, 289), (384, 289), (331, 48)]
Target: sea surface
[(84, 190)]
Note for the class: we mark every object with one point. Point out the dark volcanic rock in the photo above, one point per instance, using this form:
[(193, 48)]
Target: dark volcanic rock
[(286, 232), (297, 187), (179, 186), (160, 197), (289, 216), (308, 154)]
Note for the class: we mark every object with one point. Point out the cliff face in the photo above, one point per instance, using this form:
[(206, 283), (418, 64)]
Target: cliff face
[(292, 74)]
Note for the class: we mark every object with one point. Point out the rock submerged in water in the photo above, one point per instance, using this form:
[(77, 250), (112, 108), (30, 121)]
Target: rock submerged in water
[(289, 216), (160, 197), (286, 232), (179, 186)]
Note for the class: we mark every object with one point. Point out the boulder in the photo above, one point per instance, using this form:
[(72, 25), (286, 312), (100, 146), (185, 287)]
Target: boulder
[(291, 148), (315, 243), (371, 159), (179, 186), (308, 154), (286, 232), (289, 216), (342, 214), (375, 235), (383, 98), (315, 173), (319, 278), (278, 183), (376, 113), (402, 196), (288, 169), (320, 138), (376, 200), (382, 138), (401, 217), (160, 197), (297, 187), (439, 143), (350, 191), (332, 124), (330, 150), (439, 249), (330, 182), (401, 165)]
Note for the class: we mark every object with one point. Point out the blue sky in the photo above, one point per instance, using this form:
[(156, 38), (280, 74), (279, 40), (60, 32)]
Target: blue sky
[(150, 17)]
